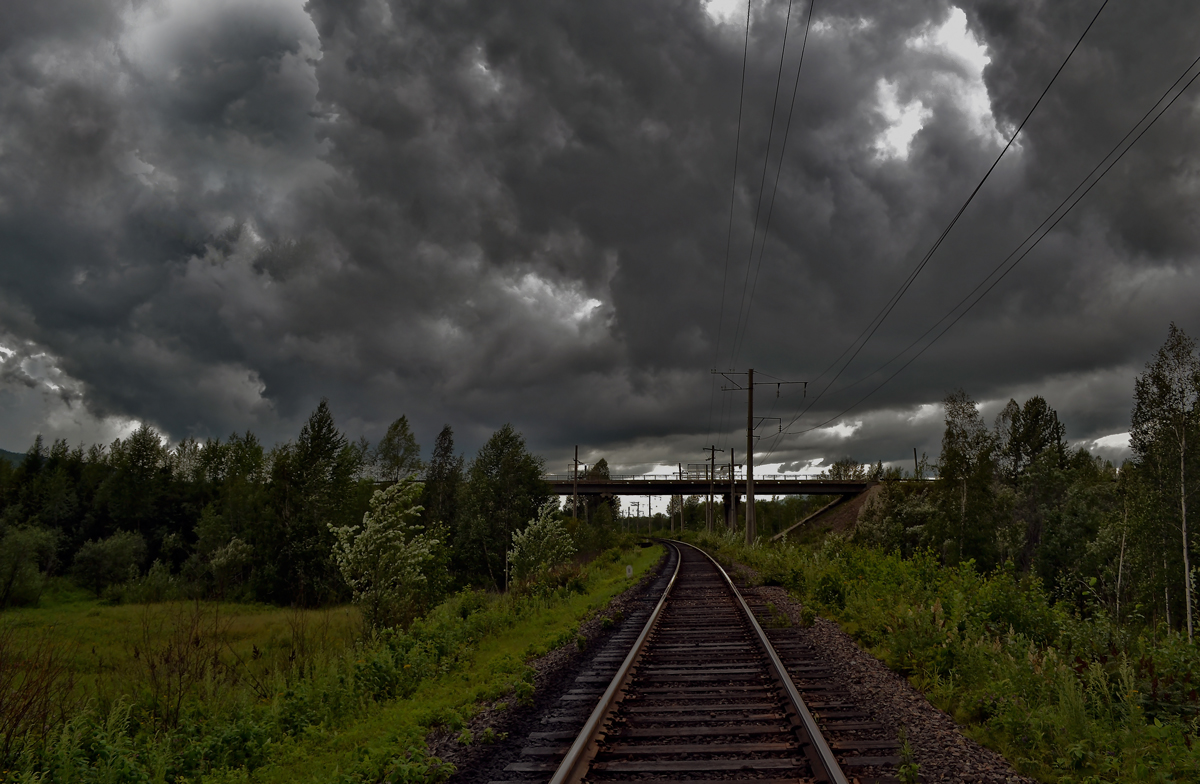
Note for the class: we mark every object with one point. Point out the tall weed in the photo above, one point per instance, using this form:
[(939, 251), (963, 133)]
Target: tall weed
[(185, 705), (1067, 696)]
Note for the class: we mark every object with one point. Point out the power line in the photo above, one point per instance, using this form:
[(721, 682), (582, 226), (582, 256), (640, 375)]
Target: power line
[(1009, 263), (1033, 233), (775, 188), (873, 326), (737, 145), (762, 182)]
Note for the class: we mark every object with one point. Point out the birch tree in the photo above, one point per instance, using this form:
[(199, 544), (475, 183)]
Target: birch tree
[(965, 476), (1165, 409)]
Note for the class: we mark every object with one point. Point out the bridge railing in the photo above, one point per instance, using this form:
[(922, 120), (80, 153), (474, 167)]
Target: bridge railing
[(675, 477)]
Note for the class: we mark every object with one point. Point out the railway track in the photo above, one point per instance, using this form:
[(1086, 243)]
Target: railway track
[(705, 693)]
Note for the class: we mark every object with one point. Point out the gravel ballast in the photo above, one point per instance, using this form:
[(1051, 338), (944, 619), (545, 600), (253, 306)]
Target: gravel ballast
[(939, 746), (555, 676)]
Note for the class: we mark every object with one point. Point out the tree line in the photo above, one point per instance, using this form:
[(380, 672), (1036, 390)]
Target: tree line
[(1016, 496), (235, 519)]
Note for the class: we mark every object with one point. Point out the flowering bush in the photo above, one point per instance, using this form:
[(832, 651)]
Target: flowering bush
[(543, 545), (391, 563)]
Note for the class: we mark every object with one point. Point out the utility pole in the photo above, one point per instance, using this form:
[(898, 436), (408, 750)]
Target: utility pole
[(731, 512), (680, 505), (749, 388), (575, 502), (712, 479), (750, 457)]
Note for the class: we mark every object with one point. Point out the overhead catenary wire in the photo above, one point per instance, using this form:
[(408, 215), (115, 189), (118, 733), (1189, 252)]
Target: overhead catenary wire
[(1031, 234), (1010, 262), (762, 182), (737, 341), (758, 206), (744, 305), (729, 233), (873, 326)]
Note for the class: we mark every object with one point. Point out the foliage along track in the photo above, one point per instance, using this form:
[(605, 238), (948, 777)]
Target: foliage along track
[(704, 699), (563, 685)]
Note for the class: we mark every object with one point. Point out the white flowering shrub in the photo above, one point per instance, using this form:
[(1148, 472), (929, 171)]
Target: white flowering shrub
[(391, 563), (543, 545)]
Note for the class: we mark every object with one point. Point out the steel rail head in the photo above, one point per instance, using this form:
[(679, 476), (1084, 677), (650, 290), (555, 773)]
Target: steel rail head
[(832, 769), (574, 765)]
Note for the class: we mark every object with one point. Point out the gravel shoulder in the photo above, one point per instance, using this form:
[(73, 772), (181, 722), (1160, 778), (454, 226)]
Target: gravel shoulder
[(939, 746)]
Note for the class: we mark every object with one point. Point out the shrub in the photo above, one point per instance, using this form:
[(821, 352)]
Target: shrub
[(789, 576), (391, 563), (442, 717), (99, 564), (543, 545), (417, 767), (157, 585), (24, 554), (523, 691), (830, 591)]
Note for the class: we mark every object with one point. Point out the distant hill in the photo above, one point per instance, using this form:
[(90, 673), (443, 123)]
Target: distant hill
[(13, 457)]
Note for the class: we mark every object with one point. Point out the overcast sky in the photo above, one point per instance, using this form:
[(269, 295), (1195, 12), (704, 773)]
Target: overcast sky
[(213, 213)]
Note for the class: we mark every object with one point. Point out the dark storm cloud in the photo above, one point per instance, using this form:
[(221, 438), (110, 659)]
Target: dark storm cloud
[(214, 213)]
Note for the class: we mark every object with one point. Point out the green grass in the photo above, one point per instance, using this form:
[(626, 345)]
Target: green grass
[(1066, 696), (284, 695), (102, 644), (390, 729)]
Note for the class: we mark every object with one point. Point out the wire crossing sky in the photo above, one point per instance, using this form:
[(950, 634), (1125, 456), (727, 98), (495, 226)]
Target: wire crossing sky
[(869, 331), (213, 214)]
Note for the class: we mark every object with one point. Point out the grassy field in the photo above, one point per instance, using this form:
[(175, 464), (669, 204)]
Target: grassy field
[(221, 692), (363, 747), (104, 646)]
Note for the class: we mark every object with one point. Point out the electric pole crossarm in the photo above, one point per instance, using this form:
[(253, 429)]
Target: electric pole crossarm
[(760, 420), (778, 384), (751, 533)]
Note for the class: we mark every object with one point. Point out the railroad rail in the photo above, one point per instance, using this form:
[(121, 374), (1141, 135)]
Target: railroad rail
[(704, 693)]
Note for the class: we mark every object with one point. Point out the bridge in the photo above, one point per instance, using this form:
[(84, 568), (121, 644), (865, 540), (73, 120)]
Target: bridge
[(724, 489), (720, 486)]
